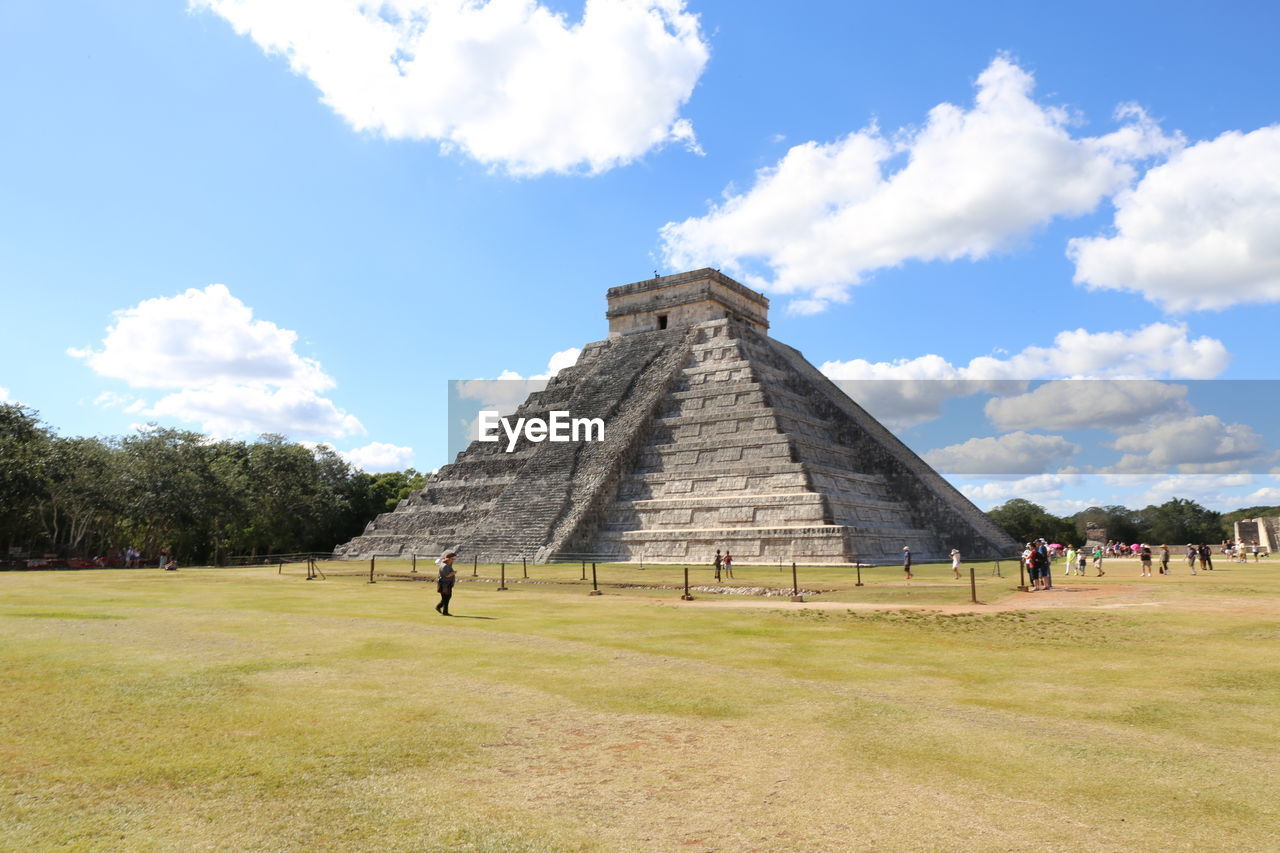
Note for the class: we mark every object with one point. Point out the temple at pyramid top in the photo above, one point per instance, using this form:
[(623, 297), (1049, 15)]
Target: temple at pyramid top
[(717, 436), (684, 299)]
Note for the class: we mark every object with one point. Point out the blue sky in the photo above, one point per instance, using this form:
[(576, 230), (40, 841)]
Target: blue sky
[(433, 190)]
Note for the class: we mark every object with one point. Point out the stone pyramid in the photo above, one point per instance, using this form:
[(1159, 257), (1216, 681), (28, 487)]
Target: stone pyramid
[(717, 437)]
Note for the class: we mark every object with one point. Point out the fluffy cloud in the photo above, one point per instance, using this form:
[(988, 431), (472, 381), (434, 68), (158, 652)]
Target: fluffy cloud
[(1201, 231), (507, 392), (379, 456), (970, 182), (1038, 488), (1201, 444), (1071, 404), (916, 388), (227, 408), (200, 337), (509, 82), (1013, 453), (4, 395), (225, 369)]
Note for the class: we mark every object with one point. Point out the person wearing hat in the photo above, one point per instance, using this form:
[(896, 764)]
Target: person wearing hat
[(444, 585), (906, 561)]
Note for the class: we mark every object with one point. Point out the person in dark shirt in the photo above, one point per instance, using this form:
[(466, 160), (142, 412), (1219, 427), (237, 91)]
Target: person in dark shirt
[(444, 585), (1206, 558)]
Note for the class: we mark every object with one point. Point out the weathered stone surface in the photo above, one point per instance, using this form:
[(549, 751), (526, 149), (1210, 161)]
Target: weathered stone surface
[(1265, 532), (717, 437)]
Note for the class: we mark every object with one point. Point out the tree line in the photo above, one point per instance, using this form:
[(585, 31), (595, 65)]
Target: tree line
[(1176, 522), (203, 498)]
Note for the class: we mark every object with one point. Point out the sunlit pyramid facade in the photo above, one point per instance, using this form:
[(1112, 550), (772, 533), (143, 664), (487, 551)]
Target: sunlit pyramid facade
[(717, 437)]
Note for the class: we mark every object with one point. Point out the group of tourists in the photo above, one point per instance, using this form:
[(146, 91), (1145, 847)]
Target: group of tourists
[(723, 565), (1037, 557)]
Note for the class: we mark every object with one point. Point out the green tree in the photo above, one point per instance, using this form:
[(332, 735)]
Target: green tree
[(1026, 521), (1180, 521), (24, 455)]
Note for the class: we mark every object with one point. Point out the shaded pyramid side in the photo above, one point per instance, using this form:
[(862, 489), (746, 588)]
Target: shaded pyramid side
[(500, 505)]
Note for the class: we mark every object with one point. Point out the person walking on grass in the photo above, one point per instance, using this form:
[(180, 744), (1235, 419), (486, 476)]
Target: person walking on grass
[(906, 561), (1145, 555), (444, 585), (1097, 560), (1070, 560), (1164, 559), (1042, 561), (1206, 557), (717, 563), (1082, 560), (955, 562), (727, 565), (1193, 554)]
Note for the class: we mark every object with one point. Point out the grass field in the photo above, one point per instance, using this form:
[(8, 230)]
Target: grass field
[(245, 709)]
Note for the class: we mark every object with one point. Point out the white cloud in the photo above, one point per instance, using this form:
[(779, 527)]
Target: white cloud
[(4, 395), (1074, 404), (1265, 496), (200, 337), (1199, 444), (1201, 231), (1038, 488), (226, 370), (509, 82), (379, 457), (920, 385), (225, 409), (970, 183), (510, 389), (1014, 453), (1209, 490)]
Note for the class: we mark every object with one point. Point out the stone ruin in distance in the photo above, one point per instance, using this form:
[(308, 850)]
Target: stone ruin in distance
[(717, 437)]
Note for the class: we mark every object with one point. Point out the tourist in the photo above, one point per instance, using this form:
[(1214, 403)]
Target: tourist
[(1206, 557), (955, 562), (1082, 560), (444, 585), (1071, 560), (1164, 559), (164, 556), (1192, 554), (1144, 554), (906, 561), (1028, 563), (727, 565), (1042, 561), (1097, 560), (1254, 547), (717, 563)]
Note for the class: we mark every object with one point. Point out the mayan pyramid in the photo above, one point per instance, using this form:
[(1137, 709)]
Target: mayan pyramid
[(717, 437)]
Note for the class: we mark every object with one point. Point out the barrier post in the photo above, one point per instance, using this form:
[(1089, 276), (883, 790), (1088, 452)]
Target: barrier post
[(474, 560), (584, 570), (595, 588), (795, 585), (372, 559), (859, 565), (1022, 581), (686, 596), (502, 578), (973, 586), (524, 567), (414, 557)]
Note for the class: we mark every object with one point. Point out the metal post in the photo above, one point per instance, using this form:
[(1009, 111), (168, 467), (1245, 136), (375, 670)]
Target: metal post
[(686, 596), (372, 558), (795, 585), (595, 588), (973, 586), (414, 557), (524, 566), (502, 582), (1022, 581), (584, 570), (859, 567), (474, 560)]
